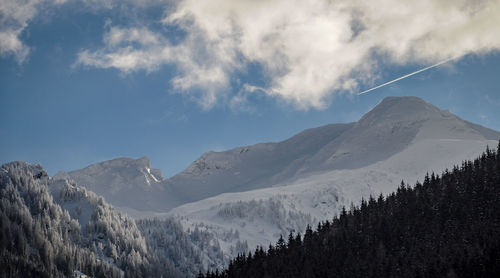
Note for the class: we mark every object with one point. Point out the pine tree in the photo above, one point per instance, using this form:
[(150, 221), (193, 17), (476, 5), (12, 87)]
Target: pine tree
[(449, 226)]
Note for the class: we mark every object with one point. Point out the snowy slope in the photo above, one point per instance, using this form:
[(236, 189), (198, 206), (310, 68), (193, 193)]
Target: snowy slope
[(400, 139), (388, 129), (122, 181), (251, 167), (136, 188), (391, 127), (260, 216)]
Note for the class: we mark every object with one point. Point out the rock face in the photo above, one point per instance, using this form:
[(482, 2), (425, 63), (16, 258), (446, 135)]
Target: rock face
[(393, 126)]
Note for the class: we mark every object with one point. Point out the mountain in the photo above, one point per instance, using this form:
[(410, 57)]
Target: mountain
[(251, 195), (391, 127), (251, 167), (122, 181), (364, 160), (447, 226)]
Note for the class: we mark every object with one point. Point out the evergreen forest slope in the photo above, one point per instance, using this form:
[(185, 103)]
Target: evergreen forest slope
[(447, 226), (55, 228)]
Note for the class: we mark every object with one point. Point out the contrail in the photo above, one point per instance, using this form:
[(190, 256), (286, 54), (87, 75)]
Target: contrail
[(408, 75)]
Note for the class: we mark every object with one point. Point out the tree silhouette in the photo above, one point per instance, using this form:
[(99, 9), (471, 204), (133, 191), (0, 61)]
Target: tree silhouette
[(447, 226)]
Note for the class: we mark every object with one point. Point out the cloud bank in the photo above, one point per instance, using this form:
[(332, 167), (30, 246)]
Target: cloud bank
[(309, 51), (14, 17)]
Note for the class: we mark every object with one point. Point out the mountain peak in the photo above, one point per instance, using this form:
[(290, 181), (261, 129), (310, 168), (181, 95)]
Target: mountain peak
[(142, 162), (401, 109), (410, 104), (113, 177), (402, 99)]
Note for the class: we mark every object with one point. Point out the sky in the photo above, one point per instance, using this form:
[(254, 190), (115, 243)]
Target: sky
[(83, 81)]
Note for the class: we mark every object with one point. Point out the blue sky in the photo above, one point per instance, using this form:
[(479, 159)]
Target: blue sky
[(86, 81)]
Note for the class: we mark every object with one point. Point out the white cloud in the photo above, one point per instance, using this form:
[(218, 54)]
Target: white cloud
[(118, 52), (310, 50), (16, 15), (207, 73)]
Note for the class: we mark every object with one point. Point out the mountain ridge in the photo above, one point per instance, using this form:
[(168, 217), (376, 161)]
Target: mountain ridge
[(387, 129)]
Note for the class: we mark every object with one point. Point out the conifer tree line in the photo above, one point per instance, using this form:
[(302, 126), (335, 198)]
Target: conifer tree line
[(37, 237), (446, 226), (55, 228)]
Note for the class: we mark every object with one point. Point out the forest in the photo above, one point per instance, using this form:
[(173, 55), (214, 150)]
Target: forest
[(446, 226), (55, 228)]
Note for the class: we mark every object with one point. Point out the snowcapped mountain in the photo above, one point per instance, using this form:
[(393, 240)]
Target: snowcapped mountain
[(251, 167), (122, 181), (391, 127), (400, 139), (250, 195), (261, 216)]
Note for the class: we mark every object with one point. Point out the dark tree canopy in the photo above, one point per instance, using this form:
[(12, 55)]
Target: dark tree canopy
[(447, 226)]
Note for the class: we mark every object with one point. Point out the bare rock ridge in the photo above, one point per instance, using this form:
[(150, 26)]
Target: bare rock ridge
[(391, 127)]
